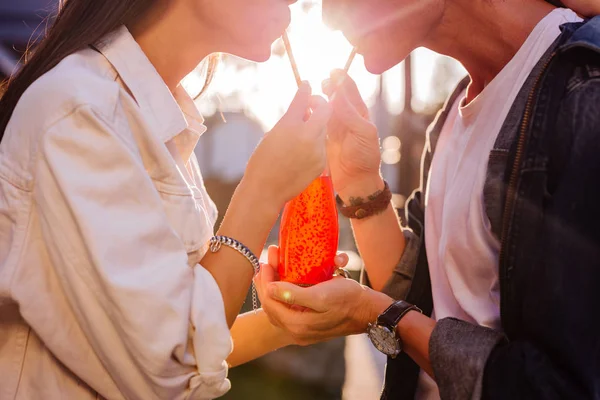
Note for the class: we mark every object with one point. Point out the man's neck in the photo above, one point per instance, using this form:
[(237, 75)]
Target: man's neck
[(485, 36)]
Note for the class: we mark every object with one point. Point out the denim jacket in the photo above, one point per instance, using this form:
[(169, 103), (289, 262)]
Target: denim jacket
[(542, 197)]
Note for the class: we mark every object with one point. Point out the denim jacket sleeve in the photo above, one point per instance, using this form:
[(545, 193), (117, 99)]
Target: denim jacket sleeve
[(559, 355), (556, 354)]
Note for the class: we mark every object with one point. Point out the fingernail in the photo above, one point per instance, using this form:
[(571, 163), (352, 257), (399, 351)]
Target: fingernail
[(338, 260)]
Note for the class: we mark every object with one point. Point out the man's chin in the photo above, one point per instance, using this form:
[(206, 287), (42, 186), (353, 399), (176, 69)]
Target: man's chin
[(378, 65)]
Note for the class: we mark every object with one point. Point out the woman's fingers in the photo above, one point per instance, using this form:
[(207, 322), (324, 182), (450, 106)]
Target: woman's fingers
[(316, 101), (302, 324), (321, 113), (291, 294), (268, 274), (300, 103), (327, 87), (273, 256)]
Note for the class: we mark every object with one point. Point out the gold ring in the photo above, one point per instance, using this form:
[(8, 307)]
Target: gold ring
[(342, 272)]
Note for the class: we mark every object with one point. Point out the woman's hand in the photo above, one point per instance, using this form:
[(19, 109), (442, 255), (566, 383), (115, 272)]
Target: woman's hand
[(293, 153), (353, 146), (334, 308)]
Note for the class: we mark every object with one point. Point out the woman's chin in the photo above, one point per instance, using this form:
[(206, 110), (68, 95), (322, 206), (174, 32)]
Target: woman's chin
[(257, 55), (262, 57)]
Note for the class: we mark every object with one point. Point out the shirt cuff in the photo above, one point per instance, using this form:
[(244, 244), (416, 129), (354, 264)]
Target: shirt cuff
[(211, 338), (458, 352), (208, 386)]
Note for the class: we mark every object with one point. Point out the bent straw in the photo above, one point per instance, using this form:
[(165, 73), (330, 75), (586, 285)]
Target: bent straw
[(288, 50)]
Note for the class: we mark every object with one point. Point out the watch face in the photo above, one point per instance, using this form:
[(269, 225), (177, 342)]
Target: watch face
[(384, 340)]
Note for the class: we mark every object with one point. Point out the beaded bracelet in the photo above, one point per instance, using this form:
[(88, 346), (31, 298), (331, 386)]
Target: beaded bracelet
[(215, 245)]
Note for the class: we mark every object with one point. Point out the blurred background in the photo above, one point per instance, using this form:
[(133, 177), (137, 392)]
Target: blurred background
[(243, 102)]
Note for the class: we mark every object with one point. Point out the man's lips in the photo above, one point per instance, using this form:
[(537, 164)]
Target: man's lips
[(359, 42)]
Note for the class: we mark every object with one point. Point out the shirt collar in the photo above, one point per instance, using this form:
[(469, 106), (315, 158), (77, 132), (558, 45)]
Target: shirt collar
[(187, 141), (168, 115)]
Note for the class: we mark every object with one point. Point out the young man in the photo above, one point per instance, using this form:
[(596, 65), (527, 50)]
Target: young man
[(503, 250)]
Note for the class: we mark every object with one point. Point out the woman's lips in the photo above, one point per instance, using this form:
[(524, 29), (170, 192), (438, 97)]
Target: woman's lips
[(281, 22)]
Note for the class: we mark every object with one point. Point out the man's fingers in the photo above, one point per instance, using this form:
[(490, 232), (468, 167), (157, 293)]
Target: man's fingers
[(349, 115), (342, 82)]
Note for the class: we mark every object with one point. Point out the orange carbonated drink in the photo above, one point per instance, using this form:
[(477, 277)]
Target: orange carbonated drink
[(308, 237)]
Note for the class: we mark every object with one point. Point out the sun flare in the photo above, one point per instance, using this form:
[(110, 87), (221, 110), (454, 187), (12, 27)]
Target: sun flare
[(318, 49), (264, 90)]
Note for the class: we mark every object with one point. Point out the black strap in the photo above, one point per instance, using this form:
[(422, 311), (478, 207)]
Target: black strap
[(394, 313)]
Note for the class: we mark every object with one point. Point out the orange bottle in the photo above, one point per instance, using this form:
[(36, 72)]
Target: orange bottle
[(308, 236)]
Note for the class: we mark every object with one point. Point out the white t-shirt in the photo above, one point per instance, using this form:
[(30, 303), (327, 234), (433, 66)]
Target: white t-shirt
[(461, 248)]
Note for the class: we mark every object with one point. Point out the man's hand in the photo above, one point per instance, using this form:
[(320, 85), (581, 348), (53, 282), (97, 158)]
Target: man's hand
[(353, 143), (338, 307)]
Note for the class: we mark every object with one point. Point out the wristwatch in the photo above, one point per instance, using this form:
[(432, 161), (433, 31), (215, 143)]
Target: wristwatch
[(383, 332)]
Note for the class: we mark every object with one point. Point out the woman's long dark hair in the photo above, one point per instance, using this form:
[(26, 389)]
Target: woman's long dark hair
[(78, 24)]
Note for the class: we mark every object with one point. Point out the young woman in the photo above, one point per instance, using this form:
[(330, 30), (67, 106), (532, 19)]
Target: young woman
[(107, 287)]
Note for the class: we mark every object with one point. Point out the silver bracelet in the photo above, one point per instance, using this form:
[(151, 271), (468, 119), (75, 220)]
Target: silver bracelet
[(215, 245)]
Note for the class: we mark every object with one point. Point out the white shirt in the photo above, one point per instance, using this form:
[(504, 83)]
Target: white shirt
[(103, 219), (461, 249)]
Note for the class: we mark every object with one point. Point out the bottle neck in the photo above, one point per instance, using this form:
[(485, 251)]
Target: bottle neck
[(326, 172)]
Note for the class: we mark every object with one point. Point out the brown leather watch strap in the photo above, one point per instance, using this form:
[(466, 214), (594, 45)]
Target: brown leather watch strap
[(375, 204)]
